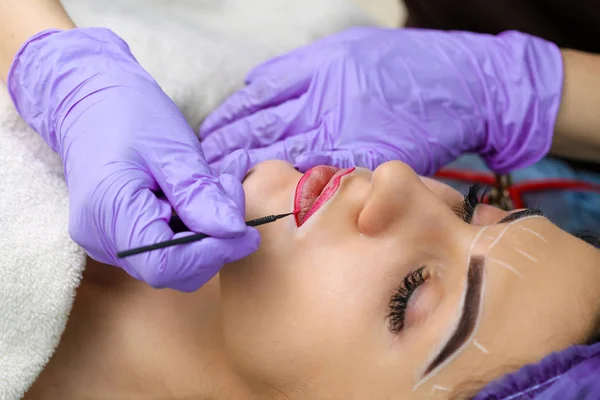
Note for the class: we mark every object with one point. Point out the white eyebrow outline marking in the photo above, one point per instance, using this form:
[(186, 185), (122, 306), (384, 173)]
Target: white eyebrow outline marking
[(511, 224), (524, 254), (533, 233), (505, 265), (435, 388), (501, 235), (480, 347)]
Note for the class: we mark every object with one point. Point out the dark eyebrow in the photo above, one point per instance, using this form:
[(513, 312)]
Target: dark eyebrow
[(521, 214), (470, 313)]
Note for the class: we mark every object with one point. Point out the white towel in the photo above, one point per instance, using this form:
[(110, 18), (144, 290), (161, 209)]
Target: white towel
[(202, 56)]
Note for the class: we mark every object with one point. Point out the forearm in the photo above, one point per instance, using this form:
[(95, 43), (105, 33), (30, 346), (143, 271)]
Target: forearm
[(21, 19), (577, 130)]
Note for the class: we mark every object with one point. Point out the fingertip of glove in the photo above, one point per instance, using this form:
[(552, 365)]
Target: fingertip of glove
[(214, 207), (188, 267), (236, 164), (243, 246), (192, 283), (228, 220), (234, 191), (180, 267)]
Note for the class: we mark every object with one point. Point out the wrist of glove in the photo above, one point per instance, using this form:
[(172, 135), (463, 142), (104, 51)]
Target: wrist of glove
[(47, 87), (521, 81)]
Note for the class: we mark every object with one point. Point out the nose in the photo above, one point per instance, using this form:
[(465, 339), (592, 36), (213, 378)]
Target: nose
[(400, 198)]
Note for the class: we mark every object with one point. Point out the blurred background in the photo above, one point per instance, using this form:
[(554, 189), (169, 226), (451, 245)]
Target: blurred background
[(389, 13)]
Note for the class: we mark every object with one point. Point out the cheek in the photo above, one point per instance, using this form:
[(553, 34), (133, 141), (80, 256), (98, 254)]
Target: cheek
[(301, 321), (268, 308), (263, 323)]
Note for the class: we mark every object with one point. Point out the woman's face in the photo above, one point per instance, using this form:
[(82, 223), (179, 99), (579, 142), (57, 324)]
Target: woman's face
[(386, 293)]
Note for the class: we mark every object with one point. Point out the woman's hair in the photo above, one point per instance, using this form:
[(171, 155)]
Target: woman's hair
[(467, 390), (589, 237)]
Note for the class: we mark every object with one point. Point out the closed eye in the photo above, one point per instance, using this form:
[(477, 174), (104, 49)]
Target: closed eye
[(474, 197)]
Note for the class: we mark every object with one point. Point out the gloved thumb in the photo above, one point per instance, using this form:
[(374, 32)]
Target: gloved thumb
[(208, 208), (232, 187), (197, 195), (236, 164)]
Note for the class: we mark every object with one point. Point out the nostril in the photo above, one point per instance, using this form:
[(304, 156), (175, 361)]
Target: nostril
[(376, 217), (396, 191)]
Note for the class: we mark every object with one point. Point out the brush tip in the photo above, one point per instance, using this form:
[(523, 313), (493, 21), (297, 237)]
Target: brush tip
[(283, 215)]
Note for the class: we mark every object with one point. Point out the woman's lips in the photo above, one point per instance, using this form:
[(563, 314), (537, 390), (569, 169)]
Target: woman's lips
[(315, 187)]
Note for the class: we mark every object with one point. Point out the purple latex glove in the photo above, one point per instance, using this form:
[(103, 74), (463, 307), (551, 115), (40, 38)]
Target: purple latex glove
[(121, 139), (370, 95)]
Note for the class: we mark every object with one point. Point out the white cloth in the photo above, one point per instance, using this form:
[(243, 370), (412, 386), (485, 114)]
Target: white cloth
[(199, 51)]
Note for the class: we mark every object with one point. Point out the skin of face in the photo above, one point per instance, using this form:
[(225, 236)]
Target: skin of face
[(306, 315)]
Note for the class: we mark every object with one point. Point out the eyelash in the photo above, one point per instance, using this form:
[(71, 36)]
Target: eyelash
[(472, 199), (401, 297)]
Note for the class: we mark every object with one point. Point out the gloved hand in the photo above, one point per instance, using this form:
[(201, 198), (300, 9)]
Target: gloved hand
[(369, 95), (121, 139)]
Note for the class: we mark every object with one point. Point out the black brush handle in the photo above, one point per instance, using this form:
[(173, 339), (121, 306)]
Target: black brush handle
[(182, 240), (262, 220), (193, 238)]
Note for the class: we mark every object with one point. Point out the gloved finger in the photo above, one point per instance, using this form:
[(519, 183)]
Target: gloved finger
[(261, 129), (236, 164), (196, 194), (308, 56), (197, 263), (288, 149), (363, 157), (268, 91), (232, 186), (131, 218), (142, 219)]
